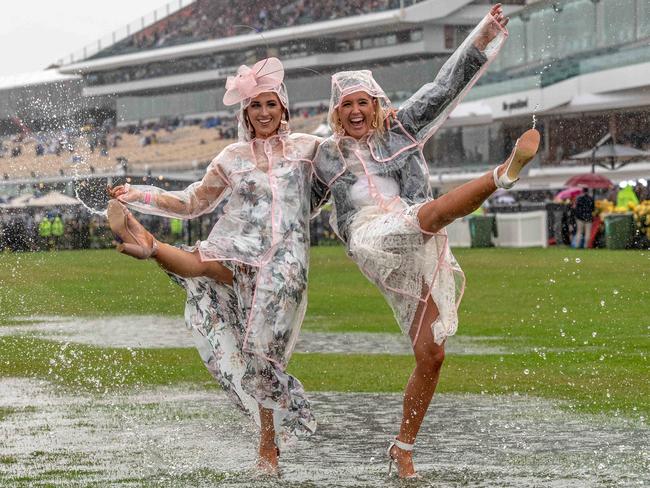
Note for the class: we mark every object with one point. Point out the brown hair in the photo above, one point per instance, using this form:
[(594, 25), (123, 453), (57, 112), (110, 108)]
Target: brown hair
[(285, 119)]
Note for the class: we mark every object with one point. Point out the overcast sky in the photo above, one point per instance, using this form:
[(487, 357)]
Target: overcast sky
[(36, 33)]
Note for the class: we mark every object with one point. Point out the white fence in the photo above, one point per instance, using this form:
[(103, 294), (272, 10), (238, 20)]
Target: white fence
[(523, 229)]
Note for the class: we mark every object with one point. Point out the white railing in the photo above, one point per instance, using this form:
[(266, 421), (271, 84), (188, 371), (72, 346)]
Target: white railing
[(126, 31)]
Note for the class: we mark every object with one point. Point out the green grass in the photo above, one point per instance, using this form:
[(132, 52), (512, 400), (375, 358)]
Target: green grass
[(617, 383), (100, 282), (576, 321)]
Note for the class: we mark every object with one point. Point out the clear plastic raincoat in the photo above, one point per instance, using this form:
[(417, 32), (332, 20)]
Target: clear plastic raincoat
[(379, 182), (246, 333)]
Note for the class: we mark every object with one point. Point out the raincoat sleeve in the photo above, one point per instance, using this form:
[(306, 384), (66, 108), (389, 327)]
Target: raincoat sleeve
[(197, 199), (423, 113), (319, 190), (320, 193)]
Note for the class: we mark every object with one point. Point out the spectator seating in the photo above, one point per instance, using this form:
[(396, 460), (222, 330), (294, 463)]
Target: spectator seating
[(181, 149)]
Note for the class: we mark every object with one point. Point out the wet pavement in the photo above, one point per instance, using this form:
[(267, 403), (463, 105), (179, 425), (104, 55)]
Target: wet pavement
[(158, 332), (182, 436)]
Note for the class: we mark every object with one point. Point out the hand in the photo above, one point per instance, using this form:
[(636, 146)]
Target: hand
[(125, 193), (491, 29)]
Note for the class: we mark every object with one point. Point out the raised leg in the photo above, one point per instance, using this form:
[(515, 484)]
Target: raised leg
[(462, 201), (189, 264), (459, 202), (268, 452), (421, 386), (138, 242)]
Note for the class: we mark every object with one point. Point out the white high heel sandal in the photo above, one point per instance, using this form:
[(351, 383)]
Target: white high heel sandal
[(404, 447), (523, 153)]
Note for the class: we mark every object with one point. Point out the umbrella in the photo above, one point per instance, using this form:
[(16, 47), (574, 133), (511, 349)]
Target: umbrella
[(590, 180), (52, 199), (568, 193), (18, 202), (611, 153)]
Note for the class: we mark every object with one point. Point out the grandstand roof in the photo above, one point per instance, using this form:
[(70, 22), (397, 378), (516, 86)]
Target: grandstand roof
[(34, 78), (318, 29)]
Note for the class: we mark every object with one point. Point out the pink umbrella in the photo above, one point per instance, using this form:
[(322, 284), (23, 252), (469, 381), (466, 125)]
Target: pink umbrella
[(590, 180), (568, 193)]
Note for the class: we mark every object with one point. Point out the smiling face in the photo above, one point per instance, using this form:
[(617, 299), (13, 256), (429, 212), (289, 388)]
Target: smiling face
[(356, 113), (264, 114)]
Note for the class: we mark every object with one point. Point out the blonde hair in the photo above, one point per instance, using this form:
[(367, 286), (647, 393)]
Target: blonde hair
[(378, 122)]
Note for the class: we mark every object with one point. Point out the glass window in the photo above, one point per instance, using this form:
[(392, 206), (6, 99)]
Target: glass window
[(644, 19), (539, 34), (619, 21), (577, 27), (513, 52), (476, 145), (449, 33)]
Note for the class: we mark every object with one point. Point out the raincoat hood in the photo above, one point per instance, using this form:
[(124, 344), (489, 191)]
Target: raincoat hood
[(345, 83)]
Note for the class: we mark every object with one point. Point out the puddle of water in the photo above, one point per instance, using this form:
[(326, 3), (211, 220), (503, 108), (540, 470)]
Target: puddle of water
[(185, 437), (156, 332)]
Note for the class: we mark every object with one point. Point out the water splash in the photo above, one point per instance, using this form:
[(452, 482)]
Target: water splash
[(535, 115), (76, 177)]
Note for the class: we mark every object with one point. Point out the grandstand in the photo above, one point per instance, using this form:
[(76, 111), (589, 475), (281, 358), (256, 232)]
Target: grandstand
[(579, 66)]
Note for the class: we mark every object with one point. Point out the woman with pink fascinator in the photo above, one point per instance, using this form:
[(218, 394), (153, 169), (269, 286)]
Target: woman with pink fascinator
[(247, 283), (385, 214)]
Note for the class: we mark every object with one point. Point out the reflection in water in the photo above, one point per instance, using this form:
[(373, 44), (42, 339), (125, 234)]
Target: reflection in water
[(181, 437), (158, 332)]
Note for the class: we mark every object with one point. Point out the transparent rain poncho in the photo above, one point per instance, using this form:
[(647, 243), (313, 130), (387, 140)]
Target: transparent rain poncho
[(379, 182), (246, 333)]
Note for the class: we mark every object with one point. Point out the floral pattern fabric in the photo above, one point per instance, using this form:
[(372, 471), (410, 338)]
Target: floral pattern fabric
[(246, 332)]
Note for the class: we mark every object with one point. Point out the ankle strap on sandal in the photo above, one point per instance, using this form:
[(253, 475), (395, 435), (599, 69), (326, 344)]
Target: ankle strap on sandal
[(402, 445), (502, 181)]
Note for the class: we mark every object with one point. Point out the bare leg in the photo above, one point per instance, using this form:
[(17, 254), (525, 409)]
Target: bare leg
[(268, 451), (459, 202), (462, 201), (429, 357), (183, 263), (189, 264)]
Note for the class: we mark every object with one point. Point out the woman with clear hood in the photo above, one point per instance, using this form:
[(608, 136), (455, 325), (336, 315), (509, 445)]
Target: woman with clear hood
[(384, 212), (247, 283)]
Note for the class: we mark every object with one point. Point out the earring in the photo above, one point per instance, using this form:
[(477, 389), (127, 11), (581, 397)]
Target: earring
[(338, 129), (284, 125), (374, 123)]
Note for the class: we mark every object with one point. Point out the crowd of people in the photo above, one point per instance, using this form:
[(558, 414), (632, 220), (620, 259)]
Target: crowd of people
[(24, 230), (69, 140), (105, 136), (215, 19), (57, 229)]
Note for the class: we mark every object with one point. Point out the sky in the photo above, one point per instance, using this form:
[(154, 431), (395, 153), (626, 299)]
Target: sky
[(36, 33)]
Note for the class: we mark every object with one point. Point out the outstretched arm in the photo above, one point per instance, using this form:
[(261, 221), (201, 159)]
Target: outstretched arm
[(492, 29), (198, 198), (423, 113)]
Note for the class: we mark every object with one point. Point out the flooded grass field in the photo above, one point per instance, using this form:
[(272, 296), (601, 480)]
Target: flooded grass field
[(181, 436), (545, 384)]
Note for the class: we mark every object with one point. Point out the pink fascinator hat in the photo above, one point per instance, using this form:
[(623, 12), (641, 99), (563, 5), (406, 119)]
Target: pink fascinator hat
[(265, 76)]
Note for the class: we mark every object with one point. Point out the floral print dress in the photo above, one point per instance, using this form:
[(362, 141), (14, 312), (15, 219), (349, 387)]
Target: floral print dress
[(246, 332)]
